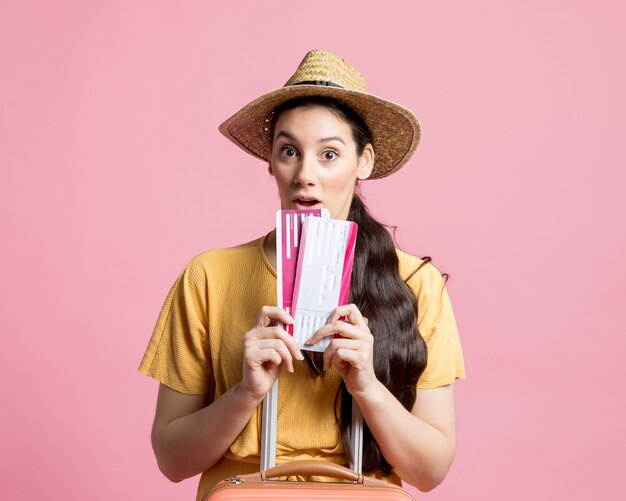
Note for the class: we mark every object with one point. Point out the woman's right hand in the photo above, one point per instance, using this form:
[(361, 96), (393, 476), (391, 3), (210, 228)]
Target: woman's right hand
[(267, 347)]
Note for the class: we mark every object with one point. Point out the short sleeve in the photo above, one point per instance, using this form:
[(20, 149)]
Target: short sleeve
[(178, 354), (437, 325)]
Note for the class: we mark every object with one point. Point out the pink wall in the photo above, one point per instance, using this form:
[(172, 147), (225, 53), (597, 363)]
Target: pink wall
[(114, 176)]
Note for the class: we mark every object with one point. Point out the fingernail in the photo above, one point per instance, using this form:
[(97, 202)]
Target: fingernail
[(300, 356)]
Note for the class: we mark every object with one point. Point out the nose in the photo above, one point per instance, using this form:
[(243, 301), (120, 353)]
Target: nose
[(305, 174)]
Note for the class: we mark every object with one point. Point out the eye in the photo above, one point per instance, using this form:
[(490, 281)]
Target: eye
[(329, 155), (288, 151)]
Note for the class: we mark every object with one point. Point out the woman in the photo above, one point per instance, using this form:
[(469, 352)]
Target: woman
[(217, 347)]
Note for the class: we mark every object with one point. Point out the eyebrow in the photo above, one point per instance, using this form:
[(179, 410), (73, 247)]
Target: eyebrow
[(291, 137)]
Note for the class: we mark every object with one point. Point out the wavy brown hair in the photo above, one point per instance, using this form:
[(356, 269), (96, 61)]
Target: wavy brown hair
[(381, 295)]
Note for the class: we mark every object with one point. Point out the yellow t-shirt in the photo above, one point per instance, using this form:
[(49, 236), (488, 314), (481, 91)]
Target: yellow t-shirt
[(196, 348)]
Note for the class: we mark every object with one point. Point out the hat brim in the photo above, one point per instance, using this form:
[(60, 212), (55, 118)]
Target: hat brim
[(395, 129)]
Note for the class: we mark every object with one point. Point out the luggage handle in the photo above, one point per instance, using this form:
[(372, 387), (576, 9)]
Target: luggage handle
[(312, 467), (269, 413), (268, 433), (317, 467)]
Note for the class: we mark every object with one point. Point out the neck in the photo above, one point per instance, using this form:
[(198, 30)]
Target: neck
[(269, 248)]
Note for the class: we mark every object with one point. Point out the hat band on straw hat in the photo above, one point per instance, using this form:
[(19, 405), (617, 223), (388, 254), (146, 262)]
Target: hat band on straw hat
[(319, 82)]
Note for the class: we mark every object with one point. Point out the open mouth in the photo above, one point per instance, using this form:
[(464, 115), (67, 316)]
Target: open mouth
[(301, 203), (306, 203)]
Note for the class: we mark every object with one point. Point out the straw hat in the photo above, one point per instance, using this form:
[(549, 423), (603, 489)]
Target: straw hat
[(395, 129)]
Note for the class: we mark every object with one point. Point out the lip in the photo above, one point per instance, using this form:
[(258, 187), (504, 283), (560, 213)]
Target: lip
[(297, 199)]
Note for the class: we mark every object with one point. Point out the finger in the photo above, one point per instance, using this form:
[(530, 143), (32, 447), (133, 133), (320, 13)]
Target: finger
[(279, 346), (264, 356), (351, 314), (342, 328), (273, 357), (345, 356), (268, 314), (330, 354), (280, 333)]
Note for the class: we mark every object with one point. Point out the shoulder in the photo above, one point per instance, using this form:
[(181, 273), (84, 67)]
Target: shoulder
[(221, 259), (429, 286), (416, 271)]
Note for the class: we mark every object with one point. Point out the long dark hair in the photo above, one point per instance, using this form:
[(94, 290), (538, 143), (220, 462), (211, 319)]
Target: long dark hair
[(381, 295)]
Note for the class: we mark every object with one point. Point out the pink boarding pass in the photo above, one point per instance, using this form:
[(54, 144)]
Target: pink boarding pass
[(322, 276), (288, 230)]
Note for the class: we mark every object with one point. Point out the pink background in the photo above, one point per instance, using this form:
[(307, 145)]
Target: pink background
[(114, 175)]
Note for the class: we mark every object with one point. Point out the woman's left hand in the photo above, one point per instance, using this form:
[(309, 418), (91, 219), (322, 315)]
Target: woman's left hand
[(353, 352)]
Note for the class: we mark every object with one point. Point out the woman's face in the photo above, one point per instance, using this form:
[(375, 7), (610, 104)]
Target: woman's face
[(315, 162)]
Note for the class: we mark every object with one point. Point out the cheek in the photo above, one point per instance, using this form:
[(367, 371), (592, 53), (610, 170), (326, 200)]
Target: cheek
[(281, 178), (281, 183), (343, 183)]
